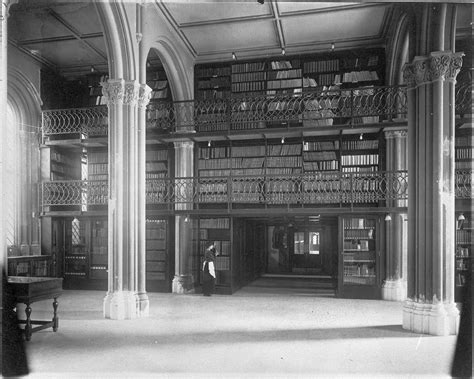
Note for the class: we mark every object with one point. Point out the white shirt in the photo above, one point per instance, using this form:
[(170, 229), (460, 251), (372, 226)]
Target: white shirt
[(211, 268)]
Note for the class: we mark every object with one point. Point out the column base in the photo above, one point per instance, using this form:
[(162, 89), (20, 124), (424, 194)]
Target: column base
[(143, 304), (120, 305), (394, 290), (183, 284), (435, 319)]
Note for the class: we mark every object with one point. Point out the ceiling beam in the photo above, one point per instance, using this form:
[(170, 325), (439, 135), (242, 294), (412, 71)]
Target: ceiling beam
[(58, 39), (279, 28), (76, 34), (36, 57)]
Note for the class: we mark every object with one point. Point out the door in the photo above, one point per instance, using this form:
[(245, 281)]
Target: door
[(306, 255)]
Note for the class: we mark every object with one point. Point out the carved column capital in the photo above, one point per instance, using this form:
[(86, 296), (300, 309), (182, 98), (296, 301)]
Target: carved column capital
[(184, 145), (439, 65), (113, 91), (130, 96), (144, 95), (396, 134)]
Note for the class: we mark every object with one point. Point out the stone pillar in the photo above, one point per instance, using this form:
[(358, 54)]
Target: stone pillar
[(183, 281), (430, 306), (394, 287), (4, 8), (121, 301), (143, 100)]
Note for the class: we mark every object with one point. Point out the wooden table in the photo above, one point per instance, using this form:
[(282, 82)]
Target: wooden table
[(28, 290)]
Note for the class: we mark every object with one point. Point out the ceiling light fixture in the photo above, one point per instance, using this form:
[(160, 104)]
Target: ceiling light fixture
[(333, 46), (282, 139), (209, 144), (361, 137), (283, 52), (234, 57), (388, 217), (92, 69)]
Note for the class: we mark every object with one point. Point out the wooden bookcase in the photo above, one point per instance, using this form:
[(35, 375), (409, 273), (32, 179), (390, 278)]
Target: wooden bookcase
[(289, 76), (158, 275), (218, 231), (464, 245), (64, 164), (359, 266), (97, 164)]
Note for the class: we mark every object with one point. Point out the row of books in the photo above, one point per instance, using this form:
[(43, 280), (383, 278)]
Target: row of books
[(213, 71), (321, 166), (249, 76), (464, 236), (358, 223), (246, 67), (287, 74), (358, 234), (283, 171), (214, 152), (97, 168), (464, 141), (156, 244), (97, 157), (355, 169), (365, 144), (359, 245), (157, 84), (154, 232), (278, 65), (161, 94), (356, 76), (364, 270), (284, 149), (465, 153), (156, 175), (248, 86), (157, 155), (357, 160), (321, 66), (320, 145), (156, 255), (289, 161), (212, 94), (462, 252), (319, 155), (285, 83), (214, 223), (99, 177)]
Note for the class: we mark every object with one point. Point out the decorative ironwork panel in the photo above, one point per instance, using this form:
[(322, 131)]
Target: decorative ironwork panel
[(463, 98), (464, 185), (161, 116), (87, 122)]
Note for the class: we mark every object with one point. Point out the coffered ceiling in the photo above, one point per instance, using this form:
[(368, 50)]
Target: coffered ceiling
[(67, 35)]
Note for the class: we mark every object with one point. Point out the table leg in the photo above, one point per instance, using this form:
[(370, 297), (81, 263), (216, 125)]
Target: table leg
[(28, 327), (55, 316)]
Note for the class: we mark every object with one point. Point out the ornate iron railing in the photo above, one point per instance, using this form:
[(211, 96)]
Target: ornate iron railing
[(464, 185), (308, 109), (85, 122), (317, 190)]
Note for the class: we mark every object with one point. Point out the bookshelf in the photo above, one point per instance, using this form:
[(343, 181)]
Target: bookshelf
[(158, 82), (358, 276), (212, 82), (157, 167), (329, 72), (97, 164), (218, 231), (98, 249), (157, 265), (95, 89), (464, 145), (464, 244), (64, 164)]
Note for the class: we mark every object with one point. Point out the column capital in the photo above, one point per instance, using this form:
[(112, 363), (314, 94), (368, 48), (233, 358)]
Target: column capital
[(439, 65), (144, 95), (131, 88), (395, 134), (184, 145), (113, 90)]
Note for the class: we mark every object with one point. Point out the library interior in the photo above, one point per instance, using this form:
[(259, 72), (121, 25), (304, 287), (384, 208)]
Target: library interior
[(323, 142)]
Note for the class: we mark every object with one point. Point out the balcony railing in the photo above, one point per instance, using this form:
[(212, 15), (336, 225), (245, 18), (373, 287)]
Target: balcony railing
[(316, 190), (346, 107), (464, 185)]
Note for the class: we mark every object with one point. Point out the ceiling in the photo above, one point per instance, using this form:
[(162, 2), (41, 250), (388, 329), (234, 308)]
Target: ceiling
[(67, 36)]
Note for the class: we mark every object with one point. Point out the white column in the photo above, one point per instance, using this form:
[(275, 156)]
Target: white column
[(121, 301), (430, 307), (143, 100)]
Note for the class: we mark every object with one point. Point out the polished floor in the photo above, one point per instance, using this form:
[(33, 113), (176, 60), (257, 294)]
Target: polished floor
[(260, 331)]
